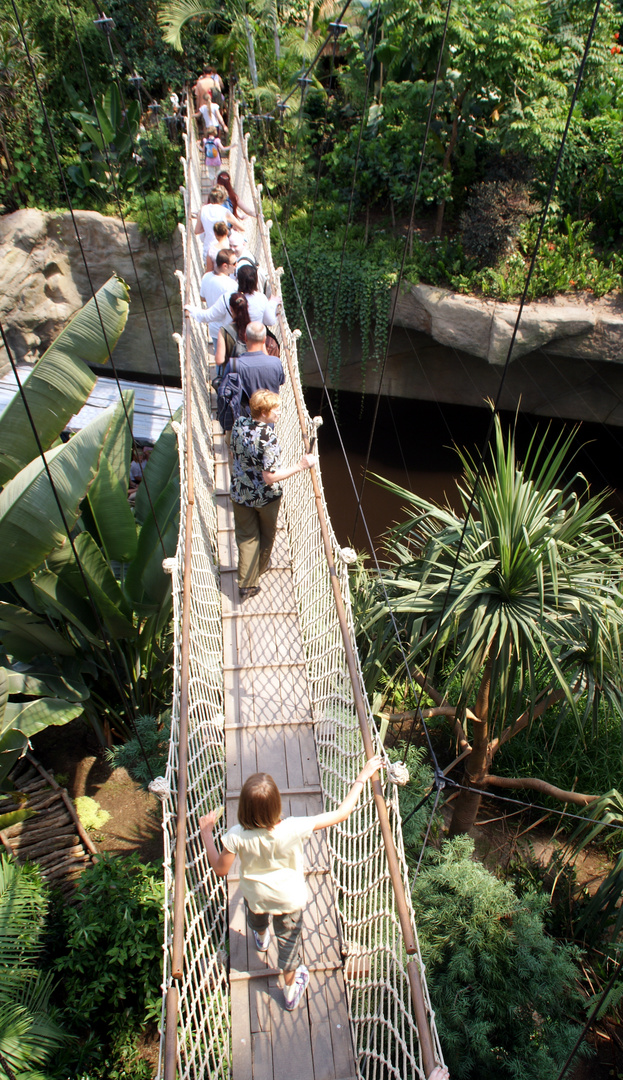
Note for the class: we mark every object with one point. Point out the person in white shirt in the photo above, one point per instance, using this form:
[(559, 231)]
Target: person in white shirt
[(212, 117), (270, 848), (217, 284), (220, 242), (212, 212), (261, 309)]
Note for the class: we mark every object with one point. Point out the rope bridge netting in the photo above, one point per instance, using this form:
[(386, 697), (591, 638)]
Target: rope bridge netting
[(384, 1031)]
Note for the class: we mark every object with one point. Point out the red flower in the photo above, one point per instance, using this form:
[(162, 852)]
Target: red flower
[(551, 247), (615, 49), (571, 281), (616, 36)]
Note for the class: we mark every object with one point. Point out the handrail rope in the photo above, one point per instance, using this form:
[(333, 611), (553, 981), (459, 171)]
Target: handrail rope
[(504, 373), (413, 970), (177, 951), (83, 254), (318, 54), (350, 203), (416, 192), (121, 214), (123, 694)]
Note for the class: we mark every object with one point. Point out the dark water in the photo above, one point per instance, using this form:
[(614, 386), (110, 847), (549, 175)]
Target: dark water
[(413, 447)]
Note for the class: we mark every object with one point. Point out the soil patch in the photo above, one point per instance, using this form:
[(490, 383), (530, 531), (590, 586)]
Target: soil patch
[(73, 754)]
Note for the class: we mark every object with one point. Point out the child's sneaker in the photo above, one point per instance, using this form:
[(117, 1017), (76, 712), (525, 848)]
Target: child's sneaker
[(262, 943), (301, 980)]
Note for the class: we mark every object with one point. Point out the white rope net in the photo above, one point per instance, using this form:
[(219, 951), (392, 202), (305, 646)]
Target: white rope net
[(384, 1030)]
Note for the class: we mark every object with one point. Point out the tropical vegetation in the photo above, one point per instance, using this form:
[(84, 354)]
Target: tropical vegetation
[(85, 605), (504, 611)]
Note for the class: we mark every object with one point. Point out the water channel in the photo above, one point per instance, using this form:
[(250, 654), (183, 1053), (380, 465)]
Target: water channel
[(413, 447)]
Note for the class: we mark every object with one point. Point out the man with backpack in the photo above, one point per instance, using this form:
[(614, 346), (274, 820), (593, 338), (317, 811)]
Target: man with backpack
[(257, 369), (246, 374)]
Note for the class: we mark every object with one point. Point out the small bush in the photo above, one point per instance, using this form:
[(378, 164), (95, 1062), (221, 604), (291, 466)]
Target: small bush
[(91, 814), (152, 742), (491, 220), (156, 214), (503, 990)]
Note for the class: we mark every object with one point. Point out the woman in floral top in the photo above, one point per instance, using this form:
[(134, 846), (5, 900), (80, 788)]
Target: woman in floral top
[(255, 488)]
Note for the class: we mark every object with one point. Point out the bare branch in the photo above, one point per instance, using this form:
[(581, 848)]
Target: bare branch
[(534, 784)]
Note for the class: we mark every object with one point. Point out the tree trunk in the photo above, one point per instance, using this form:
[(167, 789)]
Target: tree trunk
[(447, 158), (477, 764), (309, 24)]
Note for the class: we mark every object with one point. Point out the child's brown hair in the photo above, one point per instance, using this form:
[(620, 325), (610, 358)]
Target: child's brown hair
[(259, 806)]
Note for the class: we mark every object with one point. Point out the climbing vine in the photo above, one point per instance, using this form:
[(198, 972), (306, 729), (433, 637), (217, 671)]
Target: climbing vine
[(361, 305)]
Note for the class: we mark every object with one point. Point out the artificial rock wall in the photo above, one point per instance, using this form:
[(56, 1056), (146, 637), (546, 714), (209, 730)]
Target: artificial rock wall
[(43, 282)]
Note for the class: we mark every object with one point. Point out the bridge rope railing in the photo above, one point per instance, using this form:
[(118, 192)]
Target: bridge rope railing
[(392, 1019)]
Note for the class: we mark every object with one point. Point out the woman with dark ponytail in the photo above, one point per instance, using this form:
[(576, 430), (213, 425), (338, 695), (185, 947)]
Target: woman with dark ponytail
[(258, 309)]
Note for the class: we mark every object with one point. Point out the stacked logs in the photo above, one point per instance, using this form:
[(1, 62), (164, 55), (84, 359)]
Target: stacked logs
[(54, 837)]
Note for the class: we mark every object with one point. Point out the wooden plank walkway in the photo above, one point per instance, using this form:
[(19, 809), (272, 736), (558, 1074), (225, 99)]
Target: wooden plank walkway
[(268, 728)]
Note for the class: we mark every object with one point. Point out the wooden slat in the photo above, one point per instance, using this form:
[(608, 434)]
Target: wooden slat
[(262, 1056), (241, 1047)]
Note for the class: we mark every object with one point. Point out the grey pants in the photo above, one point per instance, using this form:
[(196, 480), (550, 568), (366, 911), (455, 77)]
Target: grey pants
[(288, 928), (256, 527)]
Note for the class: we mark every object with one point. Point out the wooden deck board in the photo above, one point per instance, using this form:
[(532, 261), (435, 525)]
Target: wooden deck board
[(269, 728)]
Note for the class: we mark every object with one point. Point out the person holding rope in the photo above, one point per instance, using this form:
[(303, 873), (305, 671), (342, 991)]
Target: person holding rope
[(272, 878), (255, 489)]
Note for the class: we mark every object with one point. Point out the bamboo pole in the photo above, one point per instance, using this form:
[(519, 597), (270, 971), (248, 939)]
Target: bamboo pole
[(393, 863)]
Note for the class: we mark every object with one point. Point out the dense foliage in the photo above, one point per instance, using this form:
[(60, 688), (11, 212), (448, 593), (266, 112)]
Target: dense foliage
[(29, 175), (80, 983), (504, 991)]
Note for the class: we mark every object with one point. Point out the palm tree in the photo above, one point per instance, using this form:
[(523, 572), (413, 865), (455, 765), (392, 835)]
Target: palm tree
[(28, 1034), (509, 614)]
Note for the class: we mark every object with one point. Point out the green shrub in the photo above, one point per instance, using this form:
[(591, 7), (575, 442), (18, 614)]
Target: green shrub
[(156, 213), (154, 734), (503, 990), (112, 959)]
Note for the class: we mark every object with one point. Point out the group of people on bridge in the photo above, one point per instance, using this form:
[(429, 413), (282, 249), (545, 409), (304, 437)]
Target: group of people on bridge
[(239, 313)]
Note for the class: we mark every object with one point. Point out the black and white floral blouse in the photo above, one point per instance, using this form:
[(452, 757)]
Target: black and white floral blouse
[(255, 450)]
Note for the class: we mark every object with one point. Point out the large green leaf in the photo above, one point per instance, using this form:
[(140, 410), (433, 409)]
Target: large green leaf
[(25, 635), (29, 717), (30, 522), (162, 467), (108, 495), (68, 594), (146, 583), (61, 382)]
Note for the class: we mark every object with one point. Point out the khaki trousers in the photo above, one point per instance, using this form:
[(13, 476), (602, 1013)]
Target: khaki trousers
[(255, 527)]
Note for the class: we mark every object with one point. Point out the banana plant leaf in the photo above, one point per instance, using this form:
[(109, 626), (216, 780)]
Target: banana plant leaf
[(108, 495), (61, 382), (12, 746), (29, 717), (146, 583), (162, 467), (14, 818), (30, 522), (24, 635), (67, 593)]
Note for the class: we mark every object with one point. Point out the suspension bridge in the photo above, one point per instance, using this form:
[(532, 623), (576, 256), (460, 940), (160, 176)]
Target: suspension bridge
[(275, 686)]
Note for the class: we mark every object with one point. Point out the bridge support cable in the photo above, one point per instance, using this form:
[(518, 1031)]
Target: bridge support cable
[(391, 1017)]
